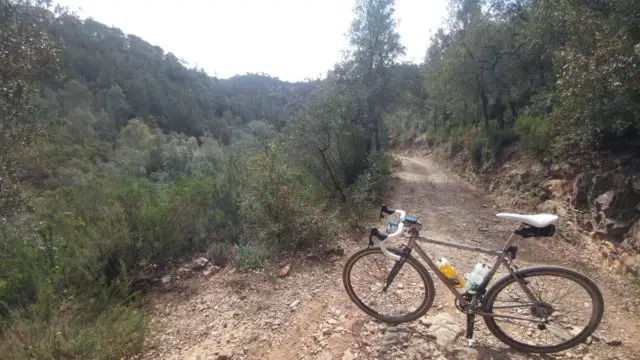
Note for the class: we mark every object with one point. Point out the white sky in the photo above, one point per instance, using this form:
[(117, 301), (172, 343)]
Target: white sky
[(289, 39)]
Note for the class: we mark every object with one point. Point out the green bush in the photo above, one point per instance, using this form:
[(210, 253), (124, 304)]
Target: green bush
[(536, 133), (74, 330), (57, 302), (497, 139), (485, 146), (251, 256), (282, 206), (219, 253), (455, 139), (366, 193)]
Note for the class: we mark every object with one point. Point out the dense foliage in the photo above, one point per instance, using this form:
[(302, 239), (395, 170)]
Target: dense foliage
[(117, 160), (129, 77), (563, 76)]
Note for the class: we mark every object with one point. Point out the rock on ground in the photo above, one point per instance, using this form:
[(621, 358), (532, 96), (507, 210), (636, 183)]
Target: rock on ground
[(444, 328)]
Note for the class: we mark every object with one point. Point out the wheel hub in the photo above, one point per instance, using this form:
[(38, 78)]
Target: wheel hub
[(541, 310)]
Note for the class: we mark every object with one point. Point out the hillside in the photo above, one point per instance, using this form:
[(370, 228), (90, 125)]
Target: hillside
[(117, 161), (137, 79)]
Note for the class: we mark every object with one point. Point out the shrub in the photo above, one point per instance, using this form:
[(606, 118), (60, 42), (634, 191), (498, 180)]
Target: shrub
[(72, 329), (282, 205), (455, 138), (485, 146), (535, 133), (220, 253), (497, 139), (251, 256), (365, 194), (57, 300)]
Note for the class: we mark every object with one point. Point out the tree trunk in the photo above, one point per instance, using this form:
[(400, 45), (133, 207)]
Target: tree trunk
[(476, 116), (376, 130), (501, 117), (542, 77), (514, 113), (499, 108), (444, 115), (464, 118), (332, 175), (512, 105), (485, 105)]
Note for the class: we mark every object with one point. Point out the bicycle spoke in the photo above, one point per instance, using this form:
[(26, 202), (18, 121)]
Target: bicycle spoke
[(367, 297), (563, 296), (540, 293), (382, 272)]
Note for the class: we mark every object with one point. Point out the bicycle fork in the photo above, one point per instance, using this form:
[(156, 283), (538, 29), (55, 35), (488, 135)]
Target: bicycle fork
[(396, 267)]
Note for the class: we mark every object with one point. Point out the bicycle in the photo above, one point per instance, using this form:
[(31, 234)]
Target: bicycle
[(543, 316)]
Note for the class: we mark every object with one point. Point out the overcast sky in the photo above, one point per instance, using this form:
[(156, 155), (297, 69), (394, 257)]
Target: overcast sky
[(289, 39)]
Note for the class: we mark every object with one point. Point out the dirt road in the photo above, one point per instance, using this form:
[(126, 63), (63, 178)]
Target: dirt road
[(307, 314)]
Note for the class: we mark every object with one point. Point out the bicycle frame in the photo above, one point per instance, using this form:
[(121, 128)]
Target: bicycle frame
[(501, 259)]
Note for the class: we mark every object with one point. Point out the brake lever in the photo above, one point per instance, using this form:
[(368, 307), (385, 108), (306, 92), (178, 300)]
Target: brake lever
[(377, 234), (385, 210)]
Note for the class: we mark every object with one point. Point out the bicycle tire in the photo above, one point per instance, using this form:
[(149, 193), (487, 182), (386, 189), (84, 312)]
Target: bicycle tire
[(587, 284), (426, 304)]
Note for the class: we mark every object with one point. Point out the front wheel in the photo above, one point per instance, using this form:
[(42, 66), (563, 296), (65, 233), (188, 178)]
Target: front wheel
[(547, 309), (365, 274)]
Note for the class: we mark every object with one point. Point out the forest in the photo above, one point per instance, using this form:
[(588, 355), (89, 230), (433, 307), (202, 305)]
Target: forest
[(116, 159), (559, 77)]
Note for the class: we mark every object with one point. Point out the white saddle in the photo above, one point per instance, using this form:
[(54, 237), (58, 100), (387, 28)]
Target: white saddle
[(537, 220)]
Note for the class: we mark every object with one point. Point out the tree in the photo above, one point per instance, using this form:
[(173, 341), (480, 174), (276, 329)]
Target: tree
[(375, 48), (561, 75), (596, 96), (28, 54)]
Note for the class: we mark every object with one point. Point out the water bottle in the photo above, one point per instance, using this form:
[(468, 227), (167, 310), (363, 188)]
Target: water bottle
[(450, 272), (474, 279)]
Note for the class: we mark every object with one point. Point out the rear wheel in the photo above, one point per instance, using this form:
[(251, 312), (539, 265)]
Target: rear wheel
[(566, 309), (365, 274)]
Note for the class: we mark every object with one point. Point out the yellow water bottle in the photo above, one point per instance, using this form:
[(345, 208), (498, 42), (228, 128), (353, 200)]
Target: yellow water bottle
[(450, 272)]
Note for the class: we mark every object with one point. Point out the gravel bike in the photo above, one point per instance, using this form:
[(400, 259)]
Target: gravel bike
[(519, 305)]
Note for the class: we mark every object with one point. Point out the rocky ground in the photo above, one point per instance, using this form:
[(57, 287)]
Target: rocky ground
[(304, 313)]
